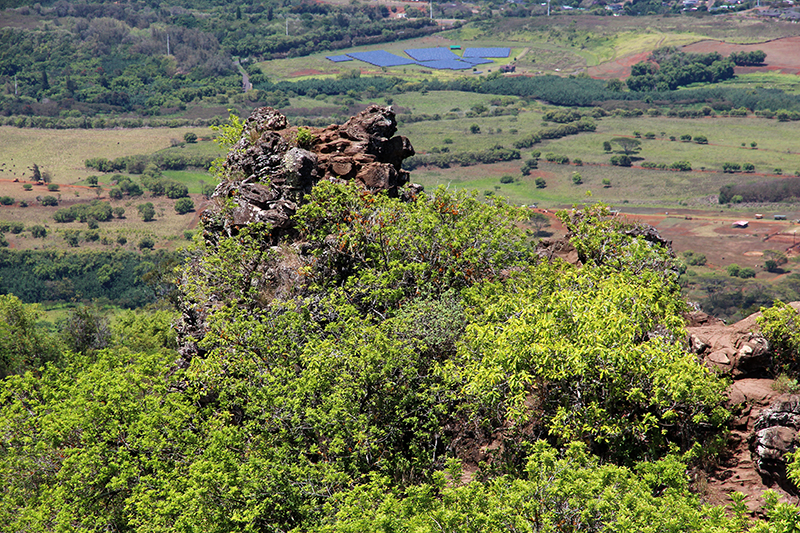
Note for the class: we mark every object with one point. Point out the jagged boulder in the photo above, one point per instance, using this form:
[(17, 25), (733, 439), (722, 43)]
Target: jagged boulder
[(776, 436), (766, 422), (738, 350), (273, 166)]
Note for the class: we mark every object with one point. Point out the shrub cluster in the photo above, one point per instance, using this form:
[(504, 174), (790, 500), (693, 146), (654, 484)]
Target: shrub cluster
[(762, 191), (556, 132), (445, 160), (96, 210)]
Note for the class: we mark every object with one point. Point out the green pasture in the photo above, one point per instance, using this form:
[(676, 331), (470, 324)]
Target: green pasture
[(776, 141), (637, 186), (194, 180), (629, 186), (494, 130), (63, 152), (768, 80)]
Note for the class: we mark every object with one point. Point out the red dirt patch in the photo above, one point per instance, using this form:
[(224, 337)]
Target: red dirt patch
[(619, 68), (305, 72), (781, 53), (711, 233), (782, 56)]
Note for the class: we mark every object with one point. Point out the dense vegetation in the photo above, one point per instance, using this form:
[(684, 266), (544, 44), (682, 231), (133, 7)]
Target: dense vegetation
[(775, 190), (349, 396), (669, 69), (99, 58), (119, 277)]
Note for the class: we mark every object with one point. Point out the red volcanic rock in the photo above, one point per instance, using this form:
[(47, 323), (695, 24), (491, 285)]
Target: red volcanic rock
[(271, 169)]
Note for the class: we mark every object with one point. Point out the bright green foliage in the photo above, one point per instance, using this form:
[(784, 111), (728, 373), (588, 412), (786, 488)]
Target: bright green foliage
[(596, 351), (226, 136), (779, 325), (333, 381), (304, 138), (559, 492), (24, 345), (432, 244), (94, 445)]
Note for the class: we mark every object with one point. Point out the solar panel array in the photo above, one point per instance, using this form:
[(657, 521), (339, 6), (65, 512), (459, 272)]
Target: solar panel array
[(434, 58), (431, 54), (487, 52), (477, 60), (381, 58), (446, 64), (338, 59)]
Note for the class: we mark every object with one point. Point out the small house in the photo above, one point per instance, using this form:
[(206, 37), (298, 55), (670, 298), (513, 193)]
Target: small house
[(740, 224)]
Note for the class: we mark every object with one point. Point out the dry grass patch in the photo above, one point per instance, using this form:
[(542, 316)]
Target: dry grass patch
[(63, 152)]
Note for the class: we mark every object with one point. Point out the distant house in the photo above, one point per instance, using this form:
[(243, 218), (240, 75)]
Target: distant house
[(740, 224)]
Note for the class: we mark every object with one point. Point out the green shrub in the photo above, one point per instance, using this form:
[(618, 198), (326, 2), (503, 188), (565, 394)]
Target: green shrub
[(185, 205), (38, 232), (694, 259), (621, 160)]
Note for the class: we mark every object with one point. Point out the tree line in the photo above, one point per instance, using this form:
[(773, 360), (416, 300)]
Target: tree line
[(117, 277), (779, 190)]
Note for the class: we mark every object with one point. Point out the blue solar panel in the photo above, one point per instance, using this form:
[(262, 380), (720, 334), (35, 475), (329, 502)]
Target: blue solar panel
[(338, 59), (446, 64), (477, 60), (431, 54), (381, 58), (487, 52)]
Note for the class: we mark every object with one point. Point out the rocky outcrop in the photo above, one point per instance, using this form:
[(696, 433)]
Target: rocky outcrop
[(560, 248), (766, 421), (274, 166), (738, 350), (775, 436), (267, 175)]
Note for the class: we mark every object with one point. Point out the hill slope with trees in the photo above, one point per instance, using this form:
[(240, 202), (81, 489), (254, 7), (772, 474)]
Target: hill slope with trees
[(379, 359)]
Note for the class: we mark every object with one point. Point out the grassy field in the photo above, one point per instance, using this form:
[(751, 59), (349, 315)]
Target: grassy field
[(633, 186), (767, 80), (63, 152)]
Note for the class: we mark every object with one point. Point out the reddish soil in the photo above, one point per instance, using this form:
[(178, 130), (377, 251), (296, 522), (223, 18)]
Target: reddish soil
[(782, 56), (305, 72), (619, 68), (713, 235)]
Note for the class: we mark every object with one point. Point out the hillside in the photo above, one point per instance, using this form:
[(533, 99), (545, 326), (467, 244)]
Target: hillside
[(355, 353)]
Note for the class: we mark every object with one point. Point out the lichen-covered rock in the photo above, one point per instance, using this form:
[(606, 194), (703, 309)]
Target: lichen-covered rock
[(268, 173), (775, 437)]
